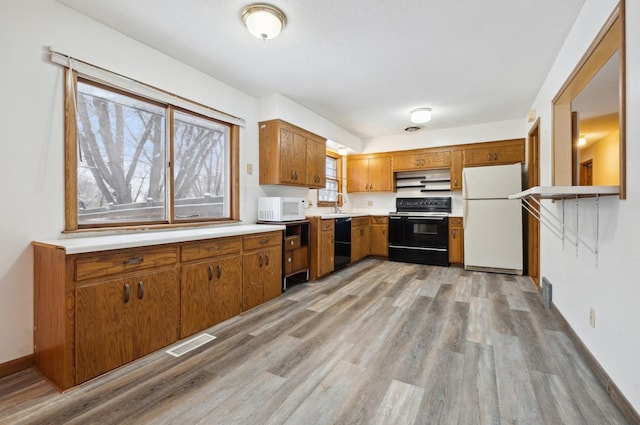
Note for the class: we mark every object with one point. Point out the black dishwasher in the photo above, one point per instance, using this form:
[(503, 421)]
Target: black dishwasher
[(342, 243)]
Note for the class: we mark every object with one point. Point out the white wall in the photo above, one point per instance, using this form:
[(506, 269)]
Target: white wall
[(612, 287), (487, 132), (278, 106), (32, 150)]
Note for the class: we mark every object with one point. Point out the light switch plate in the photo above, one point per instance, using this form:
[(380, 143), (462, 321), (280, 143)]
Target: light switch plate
[(249, 169)]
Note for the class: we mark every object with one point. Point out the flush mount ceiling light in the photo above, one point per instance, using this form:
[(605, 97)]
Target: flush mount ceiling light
[(342, 151), (263, 21), (582, 140), (420, 115)]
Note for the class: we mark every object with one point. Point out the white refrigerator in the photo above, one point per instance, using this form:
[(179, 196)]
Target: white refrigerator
[(492, 222)]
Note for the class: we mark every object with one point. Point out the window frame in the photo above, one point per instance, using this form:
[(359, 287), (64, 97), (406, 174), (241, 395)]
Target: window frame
[(338, 158), (71, 164)]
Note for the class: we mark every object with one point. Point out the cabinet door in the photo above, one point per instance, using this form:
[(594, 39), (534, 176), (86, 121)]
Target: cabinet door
[(227, 288), (104, 327), (316, 163), (380, 175), (356, 243), (456, 241), (407, 162), (211, 293), (379, 240), (326, 252), (293, 152), (272, 273), (365, 241), (357, 175), (252, 280), (157, 312), (197, 297), (509, 154), (456, 170)]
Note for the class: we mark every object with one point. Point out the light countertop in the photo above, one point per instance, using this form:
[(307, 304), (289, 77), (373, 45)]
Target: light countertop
[(79, 245)]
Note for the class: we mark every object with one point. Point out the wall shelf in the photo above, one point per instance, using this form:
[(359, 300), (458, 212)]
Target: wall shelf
[(531, 203)]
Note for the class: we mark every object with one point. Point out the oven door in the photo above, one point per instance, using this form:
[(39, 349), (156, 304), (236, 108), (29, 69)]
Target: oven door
[(426, 232)]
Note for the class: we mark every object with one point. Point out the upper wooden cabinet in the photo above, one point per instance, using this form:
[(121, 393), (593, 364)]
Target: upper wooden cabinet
[(421, 160), (495, 153), (456, 169), (290, 155), (369, 173)]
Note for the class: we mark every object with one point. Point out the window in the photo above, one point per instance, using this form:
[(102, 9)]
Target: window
[(327, 196), (135, 161)]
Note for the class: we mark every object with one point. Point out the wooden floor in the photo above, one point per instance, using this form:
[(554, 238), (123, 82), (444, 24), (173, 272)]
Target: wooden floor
[(377, 343)]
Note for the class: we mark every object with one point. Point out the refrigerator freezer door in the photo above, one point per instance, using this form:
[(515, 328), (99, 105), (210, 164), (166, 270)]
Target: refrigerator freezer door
[(493, 235), (494, 182)]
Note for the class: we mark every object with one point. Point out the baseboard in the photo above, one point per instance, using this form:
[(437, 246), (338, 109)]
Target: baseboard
[(610, 387), (13, 366)]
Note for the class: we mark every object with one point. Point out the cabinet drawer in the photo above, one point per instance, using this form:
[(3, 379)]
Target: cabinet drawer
[(261, 240), (359, 221), (88, 267), (455, 221), (210, 248), (379, 220), (291, 242), (327, 225), (296, 260)]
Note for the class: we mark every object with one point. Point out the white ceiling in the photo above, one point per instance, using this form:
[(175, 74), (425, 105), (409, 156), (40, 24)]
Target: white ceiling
[(364, 64)]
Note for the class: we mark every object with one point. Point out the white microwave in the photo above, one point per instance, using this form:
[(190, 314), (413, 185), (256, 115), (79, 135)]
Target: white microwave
[(278, 208)]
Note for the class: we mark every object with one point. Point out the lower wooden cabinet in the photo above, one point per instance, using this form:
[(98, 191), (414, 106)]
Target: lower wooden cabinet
[(322, 246), (120, 320), (379, 236), (262, 269), (456, 240), (210, 293), (94, 312), (360, 238)]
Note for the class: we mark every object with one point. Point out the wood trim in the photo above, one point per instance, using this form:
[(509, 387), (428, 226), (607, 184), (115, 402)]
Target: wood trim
[(533, 226), (623, 101), (16, 365), (70, 152), (610, 38), (234, 158), (169, 173), (607, 383)]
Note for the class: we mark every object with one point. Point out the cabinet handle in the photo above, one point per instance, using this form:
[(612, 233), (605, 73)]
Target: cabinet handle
[(210, 272), (292, 242), (219, 267), (260, 261), (455, 182), (422, 162), (127, 292), (263, 241), (417, 162), (132, 261), (292, 178), (488, 157), (289, 260), (267, 259), (495, 156), (453, 232), (140, 290)]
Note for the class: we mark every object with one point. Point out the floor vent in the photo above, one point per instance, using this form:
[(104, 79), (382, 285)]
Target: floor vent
[(546, 291), (191, 344)]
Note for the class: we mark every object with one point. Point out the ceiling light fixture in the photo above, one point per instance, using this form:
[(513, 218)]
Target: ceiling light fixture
[(582, 141), (342, 151), (263, 21), (420, 115)]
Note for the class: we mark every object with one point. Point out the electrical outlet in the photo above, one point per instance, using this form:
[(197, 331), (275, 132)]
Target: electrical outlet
[(249, 169), (369, 203), (592, 317)]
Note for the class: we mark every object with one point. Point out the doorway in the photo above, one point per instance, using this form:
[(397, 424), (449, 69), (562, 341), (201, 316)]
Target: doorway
[(533, 225), (586, 173)]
